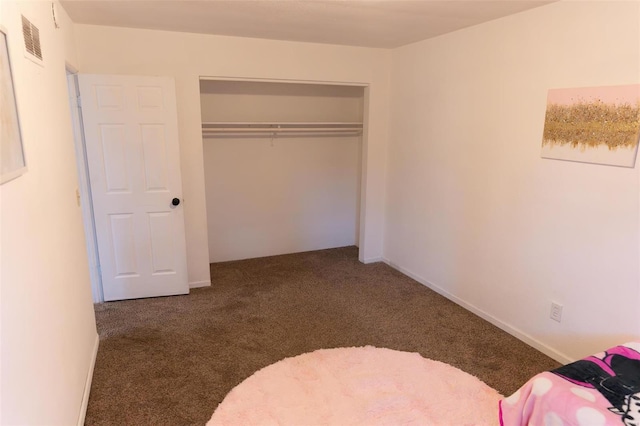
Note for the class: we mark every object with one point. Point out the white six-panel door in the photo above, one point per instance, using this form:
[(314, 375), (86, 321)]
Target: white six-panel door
[(131, 136)]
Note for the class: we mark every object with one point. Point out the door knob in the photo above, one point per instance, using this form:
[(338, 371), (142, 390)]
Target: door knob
[(175, 201)]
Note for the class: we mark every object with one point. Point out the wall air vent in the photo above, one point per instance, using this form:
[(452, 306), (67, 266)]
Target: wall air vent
[(31, 39)]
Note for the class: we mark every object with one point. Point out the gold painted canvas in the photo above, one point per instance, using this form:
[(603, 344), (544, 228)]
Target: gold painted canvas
[(599, 125)]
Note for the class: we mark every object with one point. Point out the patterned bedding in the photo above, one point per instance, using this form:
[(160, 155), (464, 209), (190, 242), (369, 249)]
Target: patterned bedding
[(603, 389)]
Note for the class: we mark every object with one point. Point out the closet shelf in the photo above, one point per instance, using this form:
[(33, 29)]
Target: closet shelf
[(228, 128)]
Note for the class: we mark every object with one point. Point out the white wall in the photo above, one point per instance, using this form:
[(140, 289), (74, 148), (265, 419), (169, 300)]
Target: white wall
[(186, 57), (270, 101), (473, 210), (291, 195), (48, 327), (268, 196)]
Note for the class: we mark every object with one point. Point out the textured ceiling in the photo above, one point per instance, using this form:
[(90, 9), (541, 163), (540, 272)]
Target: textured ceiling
[(385, 24)]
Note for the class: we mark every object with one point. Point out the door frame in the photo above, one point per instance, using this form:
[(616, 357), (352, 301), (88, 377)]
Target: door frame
[(83, 170), (84, 189), (362, 183)]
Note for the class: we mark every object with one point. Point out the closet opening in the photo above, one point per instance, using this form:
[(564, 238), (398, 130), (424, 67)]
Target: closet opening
[(283, 166)]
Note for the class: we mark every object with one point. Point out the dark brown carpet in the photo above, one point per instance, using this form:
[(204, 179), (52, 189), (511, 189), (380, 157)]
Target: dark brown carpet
[(171, 360)]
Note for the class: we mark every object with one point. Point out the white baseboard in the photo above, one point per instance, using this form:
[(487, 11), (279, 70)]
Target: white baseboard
[(373, 260), (550, 352), (87, 385), (196, 284)]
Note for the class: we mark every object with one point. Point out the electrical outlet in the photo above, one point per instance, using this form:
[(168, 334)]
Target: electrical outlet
[(556, 312)]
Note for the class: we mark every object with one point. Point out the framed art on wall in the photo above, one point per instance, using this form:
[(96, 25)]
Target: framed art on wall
[(598, 125), (12, 162)]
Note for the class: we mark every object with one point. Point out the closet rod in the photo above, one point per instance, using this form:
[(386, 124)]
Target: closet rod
[(280, 130), (246, 127), (280, 123)]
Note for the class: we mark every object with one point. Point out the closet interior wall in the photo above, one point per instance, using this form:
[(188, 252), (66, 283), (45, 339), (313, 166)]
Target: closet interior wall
[(282, 192)]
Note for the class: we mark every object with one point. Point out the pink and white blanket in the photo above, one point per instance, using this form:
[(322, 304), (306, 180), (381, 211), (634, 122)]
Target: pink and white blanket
[(603, 389)]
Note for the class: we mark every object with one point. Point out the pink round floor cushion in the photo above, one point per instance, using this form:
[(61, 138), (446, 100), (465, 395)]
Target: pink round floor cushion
[(359, 386)]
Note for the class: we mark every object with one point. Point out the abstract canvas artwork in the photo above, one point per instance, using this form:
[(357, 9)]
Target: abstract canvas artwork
[(12, 162), (599, 125)]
